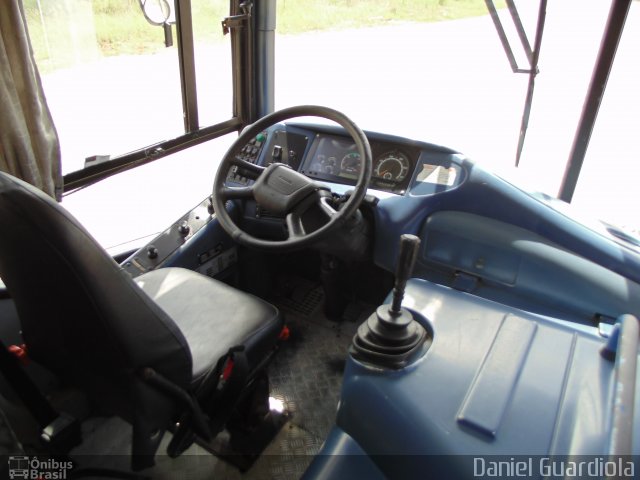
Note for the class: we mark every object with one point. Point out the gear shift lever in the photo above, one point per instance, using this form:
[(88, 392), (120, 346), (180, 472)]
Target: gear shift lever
[(390, 337), (409, 246)]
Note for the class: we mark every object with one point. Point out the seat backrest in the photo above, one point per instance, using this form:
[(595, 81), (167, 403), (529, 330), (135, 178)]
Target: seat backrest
[(82, 316)]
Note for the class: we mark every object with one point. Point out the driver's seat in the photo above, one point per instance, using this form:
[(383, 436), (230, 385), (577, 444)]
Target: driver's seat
[(143, 349)]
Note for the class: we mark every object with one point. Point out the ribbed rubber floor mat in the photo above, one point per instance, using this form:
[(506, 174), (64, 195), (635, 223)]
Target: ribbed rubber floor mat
[(299, 296)]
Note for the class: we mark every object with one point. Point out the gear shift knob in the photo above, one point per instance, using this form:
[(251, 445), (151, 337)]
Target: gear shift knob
[(409, 247)]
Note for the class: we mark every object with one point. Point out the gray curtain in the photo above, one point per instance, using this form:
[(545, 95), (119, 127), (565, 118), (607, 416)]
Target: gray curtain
[(29, 146)]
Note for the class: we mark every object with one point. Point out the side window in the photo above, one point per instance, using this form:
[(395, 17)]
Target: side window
[(113, 87), (111, 84), (124, 209)]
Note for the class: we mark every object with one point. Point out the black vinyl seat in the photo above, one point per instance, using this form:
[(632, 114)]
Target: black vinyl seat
[(85, 319), (231, 317)]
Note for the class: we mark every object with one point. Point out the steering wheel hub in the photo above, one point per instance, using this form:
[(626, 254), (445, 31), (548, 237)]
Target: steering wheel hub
[(280, 189)]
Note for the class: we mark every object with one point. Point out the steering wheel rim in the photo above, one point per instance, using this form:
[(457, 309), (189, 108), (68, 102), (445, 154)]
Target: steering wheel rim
[(297, 237)]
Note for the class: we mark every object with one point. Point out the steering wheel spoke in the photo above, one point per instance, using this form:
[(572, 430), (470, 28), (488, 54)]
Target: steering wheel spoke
[(247, 169), (294, 225), (232, 193), (324, 202)]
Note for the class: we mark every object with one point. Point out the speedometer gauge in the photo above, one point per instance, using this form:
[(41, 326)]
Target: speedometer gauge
[(393, 166), (350, 165)]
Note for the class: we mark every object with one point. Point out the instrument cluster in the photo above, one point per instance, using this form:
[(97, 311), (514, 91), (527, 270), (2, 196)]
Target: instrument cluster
[(336, 159)]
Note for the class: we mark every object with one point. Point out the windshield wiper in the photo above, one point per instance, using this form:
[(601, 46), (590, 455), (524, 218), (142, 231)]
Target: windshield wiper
[(531, 54)]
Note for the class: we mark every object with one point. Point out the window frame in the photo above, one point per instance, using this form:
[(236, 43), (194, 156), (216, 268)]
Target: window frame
[(241, 25)]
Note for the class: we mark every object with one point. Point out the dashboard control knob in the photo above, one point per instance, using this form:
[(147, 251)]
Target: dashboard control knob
[(184, 228), (152, 252), (210, 208)]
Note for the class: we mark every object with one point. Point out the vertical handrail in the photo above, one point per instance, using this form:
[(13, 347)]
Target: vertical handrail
[(624, 344)]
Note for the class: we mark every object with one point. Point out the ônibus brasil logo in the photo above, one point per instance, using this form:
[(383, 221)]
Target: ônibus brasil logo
[(36, 469)]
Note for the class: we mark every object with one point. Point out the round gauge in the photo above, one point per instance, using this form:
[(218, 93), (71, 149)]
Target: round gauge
[(329, 165), (324, 164), (350, 165), (392, 166)]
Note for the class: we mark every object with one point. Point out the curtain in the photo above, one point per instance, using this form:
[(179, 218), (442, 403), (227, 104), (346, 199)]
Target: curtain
[(29, 145)]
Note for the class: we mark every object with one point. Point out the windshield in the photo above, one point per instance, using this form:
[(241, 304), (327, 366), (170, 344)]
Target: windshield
[(432, 70), (430, 73)]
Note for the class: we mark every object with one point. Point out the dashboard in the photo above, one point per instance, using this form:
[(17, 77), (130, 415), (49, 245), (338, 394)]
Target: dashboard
[(326, 154)]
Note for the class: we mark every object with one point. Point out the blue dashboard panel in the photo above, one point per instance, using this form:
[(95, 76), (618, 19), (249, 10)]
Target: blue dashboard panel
[(518, 267), (342, 457), (488, 195), (482, 193), (495, 381)]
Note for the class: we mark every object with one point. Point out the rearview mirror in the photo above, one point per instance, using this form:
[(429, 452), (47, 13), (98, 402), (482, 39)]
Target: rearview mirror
[(157, 12)]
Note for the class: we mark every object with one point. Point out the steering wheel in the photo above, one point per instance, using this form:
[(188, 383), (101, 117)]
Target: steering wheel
[(284, 192)]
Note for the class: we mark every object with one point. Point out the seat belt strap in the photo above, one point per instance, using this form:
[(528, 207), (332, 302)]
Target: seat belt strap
[(221, 389), (24, 387), (235, 374), (59, 431)]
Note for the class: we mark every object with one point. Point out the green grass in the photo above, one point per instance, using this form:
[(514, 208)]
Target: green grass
[(76, 31), (297, 16)]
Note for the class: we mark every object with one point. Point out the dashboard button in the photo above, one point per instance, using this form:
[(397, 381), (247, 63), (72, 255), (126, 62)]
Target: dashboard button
[(184, 229)]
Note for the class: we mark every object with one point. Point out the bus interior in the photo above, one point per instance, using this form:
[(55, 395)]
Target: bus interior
[(342, 302)]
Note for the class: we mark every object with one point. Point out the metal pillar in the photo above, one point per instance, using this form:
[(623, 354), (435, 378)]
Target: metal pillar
[(604, 62)]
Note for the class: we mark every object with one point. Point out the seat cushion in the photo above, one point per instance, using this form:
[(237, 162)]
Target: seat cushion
[(213, 316)]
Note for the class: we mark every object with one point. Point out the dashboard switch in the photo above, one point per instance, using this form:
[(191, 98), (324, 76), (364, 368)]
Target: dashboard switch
[(277, 153), (152, 252)]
